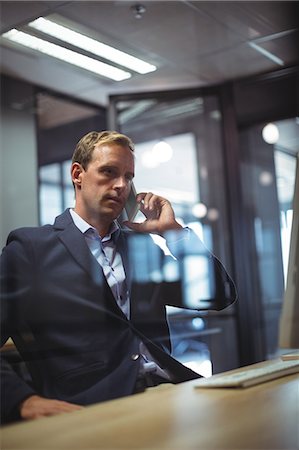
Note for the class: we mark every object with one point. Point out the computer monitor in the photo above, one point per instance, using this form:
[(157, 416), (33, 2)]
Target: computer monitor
[(289, 322)]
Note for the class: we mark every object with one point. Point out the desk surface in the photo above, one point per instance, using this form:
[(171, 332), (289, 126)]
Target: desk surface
[(173, 417)]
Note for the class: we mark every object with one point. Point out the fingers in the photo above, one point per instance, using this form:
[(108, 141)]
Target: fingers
[(150, 204), (147, 199), (158, 212), (35, 407)]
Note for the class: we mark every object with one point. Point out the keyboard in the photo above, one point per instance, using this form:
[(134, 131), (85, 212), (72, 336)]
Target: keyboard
[(250, 376)]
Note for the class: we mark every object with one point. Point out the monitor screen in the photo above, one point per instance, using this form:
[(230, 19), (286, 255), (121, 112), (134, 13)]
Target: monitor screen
[(289, 322)]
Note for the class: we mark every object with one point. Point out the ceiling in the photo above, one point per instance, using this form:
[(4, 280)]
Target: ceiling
[(192, 43)]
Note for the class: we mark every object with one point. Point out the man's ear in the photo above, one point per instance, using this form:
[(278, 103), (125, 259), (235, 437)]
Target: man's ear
[(76, 173)]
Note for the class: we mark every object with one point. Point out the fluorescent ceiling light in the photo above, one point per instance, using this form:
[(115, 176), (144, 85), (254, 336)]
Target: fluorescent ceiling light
[(91, 45), (266, 53), (66, 55)]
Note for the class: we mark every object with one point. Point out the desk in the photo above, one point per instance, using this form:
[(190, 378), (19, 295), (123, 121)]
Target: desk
[(173, 417)]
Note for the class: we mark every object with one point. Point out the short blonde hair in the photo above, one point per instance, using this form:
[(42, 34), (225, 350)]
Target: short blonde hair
[(85, 147)]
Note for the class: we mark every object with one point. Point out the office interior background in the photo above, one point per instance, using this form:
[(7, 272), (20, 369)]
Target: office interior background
[(223, 72)]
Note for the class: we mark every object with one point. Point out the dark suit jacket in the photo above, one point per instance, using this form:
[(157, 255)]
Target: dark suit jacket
[(65, 322)]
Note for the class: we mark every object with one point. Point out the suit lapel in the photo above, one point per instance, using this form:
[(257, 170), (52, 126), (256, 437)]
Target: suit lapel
[(74, 241)]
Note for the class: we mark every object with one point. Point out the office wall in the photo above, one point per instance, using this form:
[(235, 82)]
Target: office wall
[(18, 158)]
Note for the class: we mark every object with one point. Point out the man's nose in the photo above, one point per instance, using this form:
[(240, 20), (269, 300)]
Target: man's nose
[(121, 183)]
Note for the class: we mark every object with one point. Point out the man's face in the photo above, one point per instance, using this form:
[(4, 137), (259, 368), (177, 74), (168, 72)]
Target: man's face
[(103, 188)]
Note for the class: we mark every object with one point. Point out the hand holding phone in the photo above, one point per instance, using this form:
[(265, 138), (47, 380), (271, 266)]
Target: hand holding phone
[(159, 215)]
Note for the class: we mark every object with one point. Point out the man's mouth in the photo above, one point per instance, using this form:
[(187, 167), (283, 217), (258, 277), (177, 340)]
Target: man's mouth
[(116, 200)]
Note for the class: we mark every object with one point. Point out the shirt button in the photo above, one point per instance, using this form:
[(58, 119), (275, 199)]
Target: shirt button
[(135, 356)]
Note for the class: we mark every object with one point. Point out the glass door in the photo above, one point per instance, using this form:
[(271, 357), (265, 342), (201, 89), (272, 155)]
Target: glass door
[(179, 155)]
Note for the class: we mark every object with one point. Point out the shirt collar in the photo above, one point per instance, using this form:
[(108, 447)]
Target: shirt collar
[(84, 226)]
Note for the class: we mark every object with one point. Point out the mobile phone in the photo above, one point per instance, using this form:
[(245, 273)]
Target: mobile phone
[(131, 207)]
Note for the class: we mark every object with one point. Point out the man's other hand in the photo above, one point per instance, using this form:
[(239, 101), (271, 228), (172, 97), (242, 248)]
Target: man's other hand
[(35, 407)]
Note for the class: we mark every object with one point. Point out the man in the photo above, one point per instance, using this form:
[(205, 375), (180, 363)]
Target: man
[(68, 302)]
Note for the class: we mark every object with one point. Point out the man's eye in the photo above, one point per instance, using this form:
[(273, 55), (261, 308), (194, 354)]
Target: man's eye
[(108, 171)]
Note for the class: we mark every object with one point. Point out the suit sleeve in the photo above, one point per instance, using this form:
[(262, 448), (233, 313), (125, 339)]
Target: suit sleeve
[(16, 286)]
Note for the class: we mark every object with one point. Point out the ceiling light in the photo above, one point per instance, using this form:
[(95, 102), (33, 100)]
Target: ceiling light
[(270, 133), (162, 151), (266, 178), (199, 210), (148, 160), (91, 45), (213, 214), (66, 55)]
